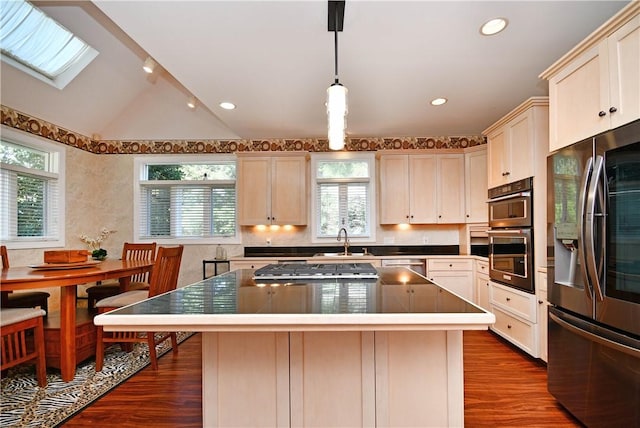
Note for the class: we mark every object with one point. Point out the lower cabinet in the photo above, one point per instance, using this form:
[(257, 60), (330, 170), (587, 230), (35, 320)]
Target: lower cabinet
[(453, 274), (516, 316), (333, 379), (482, 285), (543, 304)]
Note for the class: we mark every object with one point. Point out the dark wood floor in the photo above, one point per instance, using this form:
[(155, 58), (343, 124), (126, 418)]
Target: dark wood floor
[(503, 388)]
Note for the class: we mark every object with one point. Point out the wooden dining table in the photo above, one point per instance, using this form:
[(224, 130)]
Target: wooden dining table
[(67, 279)]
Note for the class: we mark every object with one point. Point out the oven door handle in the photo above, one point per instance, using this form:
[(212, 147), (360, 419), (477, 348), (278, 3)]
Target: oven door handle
[(511, 196), (508, 232)]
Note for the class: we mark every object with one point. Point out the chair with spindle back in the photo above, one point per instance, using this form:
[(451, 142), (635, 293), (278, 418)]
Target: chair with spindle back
[(164, 278), (130, 251), (15, 346), (22, 299)]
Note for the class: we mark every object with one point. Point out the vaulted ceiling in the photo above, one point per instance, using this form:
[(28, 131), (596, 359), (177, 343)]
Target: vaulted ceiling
[(275, 60)]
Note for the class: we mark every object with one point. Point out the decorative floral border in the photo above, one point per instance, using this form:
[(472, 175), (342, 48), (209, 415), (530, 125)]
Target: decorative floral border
[(24, 122)]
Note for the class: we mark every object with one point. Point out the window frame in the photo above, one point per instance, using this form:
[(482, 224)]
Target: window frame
[(139, 166), (368, 157), (57, 162)]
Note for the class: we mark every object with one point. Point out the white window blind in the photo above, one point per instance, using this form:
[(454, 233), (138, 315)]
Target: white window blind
[(30, 193), (187, 201), (36, 42), (343, 192)]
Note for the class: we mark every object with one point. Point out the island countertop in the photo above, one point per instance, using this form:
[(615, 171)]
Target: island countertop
[(399, 299)]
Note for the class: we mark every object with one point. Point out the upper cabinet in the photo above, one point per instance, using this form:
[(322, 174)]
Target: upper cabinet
[(475, 176), (596, 86), (421, 188), (272, 189), (516, 141)]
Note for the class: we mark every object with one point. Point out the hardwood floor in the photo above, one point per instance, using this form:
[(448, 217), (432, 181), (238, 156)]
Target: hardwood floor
[(503, 388)]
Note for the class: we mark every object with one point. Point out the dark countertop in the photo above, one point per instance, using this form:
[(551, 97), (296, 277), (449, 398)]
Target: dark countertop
[(396, 291), (374, 250)]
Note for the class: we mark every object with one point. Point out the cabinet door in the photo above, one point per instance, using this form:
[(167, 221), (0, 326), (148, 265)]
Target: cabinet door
[(394, 189), (482, 291), (289, 191), (423, 175), (496, 158), (520, 142), (624, 73), (254, 191), (475, 177), (450, 189), (461, 282), (577, 95)]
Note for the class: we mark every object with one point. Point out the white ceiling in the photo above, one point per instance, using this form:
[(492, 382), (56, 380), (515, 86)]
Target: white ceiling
[(275, 60)]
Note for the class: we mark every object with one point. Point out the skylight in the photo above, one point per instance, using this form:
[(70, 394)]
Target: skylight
[(38, 45)]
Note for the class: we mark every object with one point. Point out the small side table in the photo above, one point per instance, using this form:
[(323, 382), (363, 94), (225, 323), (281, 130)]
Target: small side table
[(215, 264)]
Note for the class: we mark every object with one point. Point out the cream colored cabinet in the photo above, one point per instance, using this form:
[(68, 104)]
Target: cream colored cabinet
[(408, 189), (272, 189), (482, 285), (516, 316), (517, 141), (455, 274), (597, 87), (421, 188), (543, 321), (475, 189)]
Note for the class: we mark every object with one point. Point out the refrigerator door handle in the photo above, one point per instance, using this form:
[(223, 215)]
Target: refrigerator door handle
[(582, 204), (594, 337), (590, 225)]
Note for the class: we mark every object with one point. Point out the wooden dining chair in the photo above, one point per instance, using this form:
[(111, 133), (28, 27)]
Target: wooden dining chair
[(15, 345), (130, 251), (164, 278), (22, 299)]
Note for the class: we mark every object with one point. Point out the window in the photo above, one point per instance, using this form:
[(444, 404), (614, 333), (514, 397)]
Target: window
[(31, 191), (343, 193), (186, 200), (38, 45)]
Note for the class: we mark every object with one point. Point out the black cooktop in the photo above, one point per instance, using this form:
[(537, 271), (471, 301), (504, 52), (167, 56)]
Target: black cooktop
[(317, 271)]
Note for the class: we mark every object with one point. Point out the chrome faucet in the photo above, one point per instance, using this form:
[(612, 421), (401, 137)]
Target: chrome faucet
[(346, 240)]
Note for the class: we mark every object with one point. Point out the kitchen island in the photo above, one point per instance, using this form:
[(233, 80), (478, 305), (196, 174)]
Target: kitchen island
[(334, 352)]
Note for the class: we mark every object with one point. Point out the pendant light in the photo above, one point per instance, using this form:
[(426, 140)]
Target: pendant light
[(337, 108)]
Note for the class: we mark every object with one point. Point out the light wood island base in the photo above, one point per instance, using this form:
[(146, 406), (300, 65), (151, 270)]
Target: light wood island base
[(333, 379)]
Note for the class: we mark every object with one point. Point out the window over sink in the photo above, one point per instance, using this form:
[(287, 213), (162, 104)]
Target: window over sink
[(343, 193)]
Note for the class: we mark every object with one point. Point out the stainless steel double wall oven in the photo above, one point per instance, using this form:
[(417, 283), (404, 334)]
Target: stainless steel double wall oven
[(511, 234)]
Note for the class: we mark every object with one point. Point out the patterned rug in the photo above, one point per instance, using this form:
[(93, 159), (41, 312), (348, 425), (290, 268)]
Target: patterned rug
[(25, 404)]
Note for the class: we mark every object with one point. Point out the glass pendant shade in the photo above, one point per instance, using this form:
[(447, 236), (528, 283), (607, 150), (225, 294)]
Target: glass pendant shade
[(337, 110)]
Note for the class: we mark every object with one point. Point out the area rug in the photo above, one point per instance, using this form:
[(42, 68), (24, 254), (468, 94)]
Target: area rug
[(25, 404)]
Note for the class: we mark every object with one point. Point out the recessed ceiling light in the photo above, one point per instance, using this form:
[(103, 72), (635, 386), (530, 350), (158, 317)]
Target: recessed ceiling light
[(438, 101), (493, 26), (227, 105), (191, 103)]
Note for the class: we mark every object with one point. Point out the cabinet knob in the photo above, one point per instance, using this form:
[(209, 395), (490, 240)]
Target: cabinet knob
[(540, 302), (613, 110), (509, 326), (467, 215), (411, 216), (439, 216), (602, 114), (508, 299), (450, 265)]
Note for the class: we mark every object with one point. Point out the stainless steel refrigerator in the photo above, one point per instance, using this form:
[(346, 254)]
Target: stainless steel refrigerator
[(593, 221)]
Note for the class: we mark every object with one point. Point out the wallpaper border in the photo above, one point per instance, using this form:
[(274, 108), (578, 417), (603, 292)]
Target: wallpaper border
[(42, 128)]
